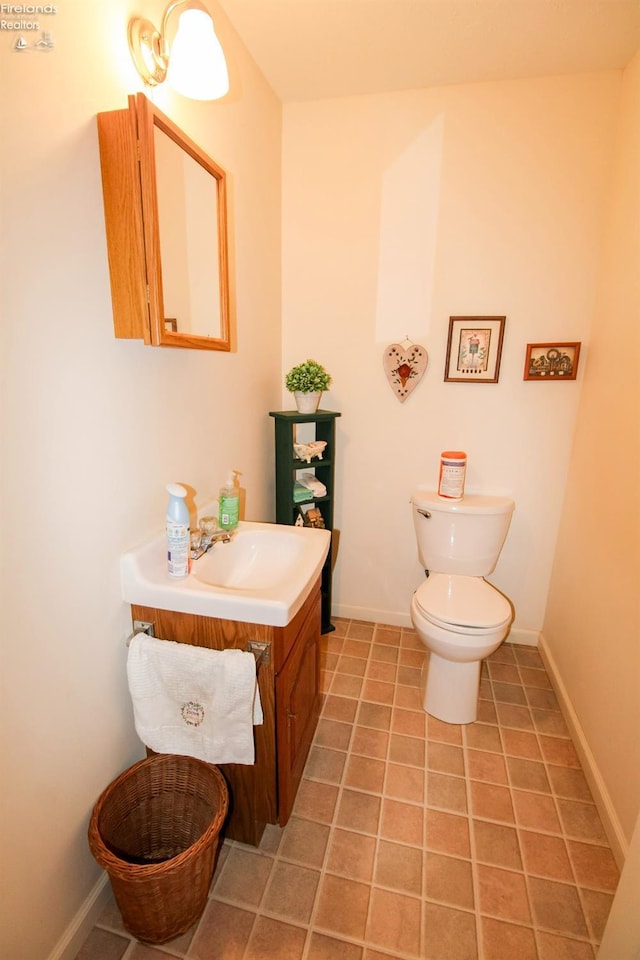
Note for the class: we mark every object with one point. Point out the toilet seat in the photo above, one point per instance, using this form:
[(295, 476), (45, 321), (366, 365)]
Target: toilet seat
[(462, 604)]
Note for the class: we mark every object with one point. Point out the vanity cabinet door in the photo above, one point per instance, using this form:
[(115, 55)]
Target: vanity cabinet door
[(298, 702), (252, 787)]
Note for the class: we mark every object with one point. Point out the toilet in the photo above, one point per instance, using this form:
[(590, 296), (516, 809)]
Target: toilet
[(459, 617)]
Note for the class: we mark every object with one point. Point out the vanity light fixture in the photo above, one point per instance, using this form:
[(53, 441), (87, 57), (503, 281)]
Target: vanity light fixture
[(193, 64)]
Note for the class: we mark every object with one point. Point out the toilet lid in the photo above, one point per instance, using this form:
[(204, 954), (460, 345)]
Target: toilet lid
[(462, 601)]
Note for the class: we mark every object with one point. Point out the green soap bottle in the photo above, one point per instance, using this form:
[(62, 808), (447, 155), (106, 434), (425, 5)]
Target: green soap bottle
[(229, 503)]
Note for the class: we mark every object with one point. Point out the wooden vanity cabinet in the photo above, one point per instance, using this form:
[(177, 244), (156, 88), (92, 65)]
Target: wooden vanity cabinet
[(289, 683), (298, 701)]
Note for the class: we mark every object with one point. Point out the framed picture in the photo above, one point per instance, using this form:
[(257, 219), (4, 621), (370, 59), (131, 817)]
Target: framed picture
[(551, 361), (474, 349)]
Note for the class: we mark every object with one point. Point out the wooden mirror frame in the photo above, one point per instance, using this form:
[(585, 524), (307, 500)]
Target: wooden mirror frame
[(127, 159)]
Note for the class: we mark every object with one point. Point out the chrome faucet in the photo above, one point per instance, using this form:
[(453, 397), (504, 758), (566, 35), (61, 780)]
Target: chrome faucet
[(220, 536)]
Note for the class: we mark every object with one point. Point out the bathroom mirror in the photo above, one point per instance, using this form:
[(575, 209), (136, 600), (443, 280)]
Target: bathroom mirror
[(166, 225)]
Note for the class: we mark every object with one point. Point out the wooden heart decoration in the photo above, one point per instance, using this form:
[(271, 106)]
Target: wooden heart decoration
[(404, 367)]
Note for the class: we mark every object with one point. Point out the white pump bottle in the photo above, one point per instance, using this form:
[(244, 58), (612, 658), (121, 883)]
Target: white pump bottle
[(178, 534)]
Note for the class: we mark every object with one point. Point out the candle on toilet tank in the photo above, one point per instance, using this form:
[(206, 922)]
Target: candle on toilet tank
[(453, 467)]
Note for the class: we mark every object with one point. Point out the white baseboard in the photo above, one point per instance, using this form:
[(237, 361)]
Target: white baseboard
[(400, 619), (610, 821), (83, 922), (529, 638), (370, 615)]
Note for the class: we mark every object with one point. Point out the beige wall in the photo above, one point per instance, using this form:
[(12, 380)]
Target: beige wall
[(400, 211), (621, 939), (93, 429), (591, 624)]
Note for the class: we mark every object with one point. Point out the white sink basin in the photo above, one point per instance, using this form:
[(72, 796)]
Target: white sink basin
[(253, 560), (263, 575)]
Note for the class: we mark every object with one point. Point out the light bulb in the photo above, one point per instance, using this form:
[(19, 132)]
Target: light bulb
[(197, 68)]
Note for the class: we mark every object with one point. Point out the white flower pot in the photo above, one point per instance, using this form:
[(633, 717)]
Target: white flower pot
[(307, 402)]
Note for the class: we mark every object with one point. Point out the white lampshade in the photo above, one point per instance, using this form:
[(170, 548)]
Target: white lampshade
[(197, 68)]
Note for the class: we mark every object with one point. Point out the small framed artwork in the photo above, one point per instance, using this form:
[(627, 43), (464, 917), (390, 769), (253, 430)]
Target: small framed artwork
[(551, 361), (474, 349)]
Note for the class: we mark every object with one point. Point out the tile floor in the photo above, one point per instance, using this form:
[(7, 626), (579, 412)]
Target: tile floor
[(412, 838)]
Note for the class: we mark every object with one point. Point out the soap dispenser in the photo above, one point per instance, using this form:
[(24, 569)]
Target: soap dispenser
[(177, 527), (229, 503)]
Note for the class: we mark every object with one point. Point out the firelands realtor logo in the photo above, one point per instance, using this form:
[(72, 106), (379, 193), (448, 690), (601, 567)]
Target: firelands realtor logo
[(27, 24)]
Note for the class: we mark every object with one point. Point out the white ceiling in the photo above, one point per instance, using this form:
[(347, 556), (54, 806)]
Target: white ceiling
[(313, 49)]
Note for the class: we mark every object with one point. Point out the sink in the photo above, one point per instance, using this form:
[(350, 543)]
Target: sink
[(254, 560), (263, 575)]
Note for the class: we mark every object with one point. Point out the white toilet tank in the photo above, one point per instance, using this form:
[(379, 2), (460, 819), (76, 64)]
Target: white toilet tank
[(462, 537)]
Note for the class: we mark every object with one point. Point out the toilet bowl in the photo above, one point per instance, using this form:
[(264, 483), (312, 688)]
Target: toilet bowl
[(461, 621), (457, 614)]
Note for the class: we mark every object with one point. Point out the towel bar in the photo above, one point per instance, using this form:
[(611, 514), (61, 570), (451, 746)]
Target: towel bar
[(261, 649), (141, 626)]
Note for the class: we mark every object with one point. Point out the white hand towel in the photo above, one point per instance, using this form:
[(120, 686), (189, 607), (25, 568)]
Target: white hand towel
[(194, 701), (311, 482)]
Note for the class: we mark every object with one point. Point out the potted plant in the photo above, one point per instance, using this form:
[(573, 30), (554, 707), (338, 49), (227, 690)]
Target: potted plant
[(307, 382)]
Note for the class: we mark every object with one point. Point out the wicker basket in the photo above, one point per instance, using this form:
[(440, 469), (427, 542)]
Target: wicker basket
[(155, 831)]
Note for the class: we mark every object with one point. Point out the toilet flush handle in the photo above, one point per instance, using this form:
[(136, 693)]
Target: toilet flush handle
[(424, 513)]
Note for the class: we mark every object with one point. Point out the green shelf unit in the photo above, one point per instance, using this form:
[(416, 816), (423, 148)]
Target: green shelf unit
[(288, 465)]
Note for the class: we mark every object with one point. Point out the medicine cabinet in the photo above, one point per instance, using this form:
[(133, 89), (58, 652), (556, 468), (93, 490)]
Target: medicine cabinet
[(166, 225)]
